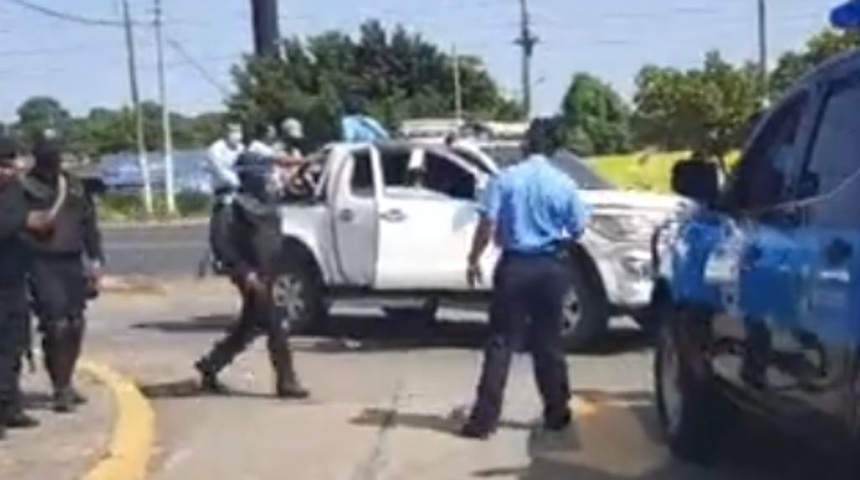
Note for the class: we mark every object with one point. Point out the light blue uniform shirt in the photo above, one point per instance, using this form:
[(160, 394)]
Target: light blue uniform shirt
[(362, 128), (534, 206)]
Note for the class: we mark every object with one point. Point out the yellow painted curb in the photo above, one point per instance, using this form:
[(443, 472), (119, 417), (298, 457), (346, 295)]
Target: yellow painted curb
[(134, 429)]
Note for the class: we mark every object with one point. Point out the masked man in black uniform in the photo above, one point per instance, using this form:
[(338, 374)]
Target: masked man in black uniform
[(250, 246), (66, 267), (14, 262)]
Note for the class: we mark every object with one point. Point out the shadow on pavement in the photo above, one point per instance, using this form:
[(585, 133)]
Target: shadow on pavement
[(621, 441), (373, 333), (387, 418), (191, 389)]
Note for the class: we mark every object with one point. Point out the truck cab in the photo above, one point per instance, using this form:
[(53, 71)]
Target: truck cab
[(758, 285), (391, 223)]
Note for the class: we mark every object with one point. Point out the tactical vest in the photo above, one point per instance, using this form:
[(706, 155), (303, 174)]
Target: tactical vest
[(67, 201)]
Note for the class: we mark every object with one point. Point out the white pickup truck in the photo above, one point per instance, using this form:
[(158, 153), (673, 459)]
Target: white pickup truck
[(392, 223)]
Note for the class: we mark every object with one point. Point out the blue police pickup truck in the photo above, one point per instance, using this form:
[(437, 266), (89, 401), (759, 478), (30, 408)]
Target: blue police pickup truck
[(758, 282)]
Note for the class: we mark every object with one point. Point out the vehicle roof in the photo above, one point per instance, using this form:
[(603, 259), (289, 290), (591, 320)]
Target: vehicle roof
[(836, 65)]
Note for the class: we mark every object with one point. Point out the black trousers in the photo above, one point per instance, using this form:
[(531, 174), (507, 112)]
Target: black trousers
[(14, 342), (526, 306), (257, 317), (219, 223), (60, 289)]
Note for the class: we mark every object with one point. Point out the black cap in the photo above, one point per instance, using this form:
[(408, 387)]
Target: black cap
[(8, 149)]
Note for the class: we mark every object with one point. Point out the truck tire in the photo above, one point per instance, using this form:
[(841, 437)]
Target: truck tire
[(299, 296), (693, 415), (424, 315), (586, 312)]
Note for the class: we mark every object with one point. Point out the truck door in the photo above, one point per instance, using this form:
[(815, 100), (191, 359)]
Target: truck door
[(826, 336), (425, 227), (354, 220), (761, 255)]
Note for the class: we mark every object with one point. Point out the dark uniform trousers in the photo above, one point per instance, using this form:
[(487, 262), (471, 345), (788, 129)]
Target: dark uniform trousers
[(219, 221), (527, 304), (59, 286), (258, 316), (14, 341)]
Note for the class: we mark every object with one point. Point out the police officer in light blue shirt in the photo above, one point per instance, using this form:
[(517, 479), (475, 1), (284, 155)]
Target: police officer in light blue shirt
[(533, 211), (357, 126)]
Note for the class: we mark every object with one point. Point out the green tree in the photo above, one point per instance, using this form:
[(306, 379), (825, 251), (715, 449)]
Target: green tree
[(37, 114), (791, 66), (595, 117), (703, 109), (401, 74)]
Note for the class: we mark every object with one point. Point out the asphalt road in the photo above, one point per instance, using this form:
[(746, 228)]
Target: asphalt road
[(168, 251), (386, 400)]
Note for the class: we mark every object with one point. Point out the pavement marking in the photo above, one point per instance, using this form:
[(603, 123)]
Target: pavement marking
[(134, 429)]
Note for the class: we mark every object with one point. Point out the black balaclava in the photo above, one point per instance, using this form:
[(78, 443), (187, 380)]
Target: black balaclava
[(254, 173), (48, 160)]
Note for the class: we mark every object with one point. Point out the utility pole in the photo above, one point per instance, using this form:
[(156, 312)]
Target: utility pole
[(165, 114), (762, 51), (142, 161), (527, 42), (264, 16), (458, 92)]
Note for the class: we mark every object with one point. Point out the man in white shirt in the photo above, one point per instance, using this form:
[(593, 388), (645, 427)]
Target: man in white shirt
[(222, 156)]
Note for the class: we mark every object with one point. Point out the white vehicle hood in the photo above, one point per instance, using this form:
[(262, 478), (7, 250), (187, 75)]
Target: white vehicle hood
[(622, 201)]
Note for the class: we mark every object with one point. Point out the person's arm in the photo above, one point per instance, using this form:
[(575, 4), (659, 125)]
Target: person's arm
[(578, 213), (93, 245), (13, 211), (220, 162), (376, 128), (488, 210)]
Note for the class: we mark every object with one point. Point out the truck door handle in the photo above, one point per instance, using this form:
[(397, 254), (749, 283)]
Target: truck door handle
[(345, 215), (838, 251), (393, 215)]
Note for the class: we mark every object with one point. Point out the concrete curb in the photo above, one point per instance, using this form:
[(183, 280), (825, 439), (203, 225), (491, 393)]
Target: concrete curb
[(138, 225), (132, 285), (131, 445)]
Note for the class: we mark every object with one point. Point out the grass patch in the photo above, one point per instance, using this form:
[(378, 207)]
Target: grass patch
[(130, 208), (642, 171)]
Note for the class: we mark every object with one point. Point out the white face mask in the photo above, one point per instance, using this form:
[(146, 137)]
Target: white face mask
[(234, 138)]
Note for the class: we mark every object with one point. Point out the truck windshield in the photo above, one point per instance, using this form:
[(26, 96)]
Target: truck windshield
[(566, 161)]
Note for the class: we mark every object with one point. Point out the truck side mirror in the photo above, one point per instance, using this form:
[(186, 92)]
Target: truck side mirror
[(697, 180)]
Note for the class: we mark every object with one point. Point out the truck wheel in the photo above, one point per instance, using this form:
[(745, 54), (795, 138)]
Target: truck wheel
[(693, 415), (424, 315), (298, 297), (586, 314)]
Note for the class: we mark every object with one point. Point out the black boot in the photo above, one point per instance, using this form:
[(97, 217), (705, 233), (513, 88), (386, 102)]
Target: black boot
[(287, 384), (75, 344), (58, 345), (209, 382), (64, 400), (18, 419)]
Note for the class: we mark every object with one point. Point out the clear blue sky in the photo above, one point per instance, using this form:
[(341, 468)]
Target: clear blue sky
[(84, 66)]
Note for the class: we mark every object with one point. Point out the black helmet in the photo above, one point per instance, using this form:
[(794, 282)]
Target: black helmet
[(47, 155), (8, 150), (253, 171)]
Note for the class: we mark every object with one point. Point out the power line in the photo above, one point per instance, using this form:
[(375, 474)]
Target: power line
[(69, 17), (198, 66)]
